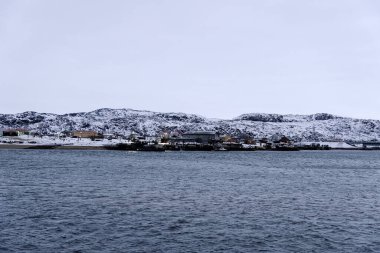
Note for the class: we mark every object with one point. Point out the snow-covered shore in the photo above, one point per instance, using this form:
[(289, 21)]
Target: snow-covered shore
[(47, 140), (25, 141)]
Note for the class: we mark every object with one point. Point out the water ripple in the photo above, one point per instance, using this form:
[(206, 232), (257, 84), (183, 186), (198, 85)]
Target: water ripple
[(104, 201)]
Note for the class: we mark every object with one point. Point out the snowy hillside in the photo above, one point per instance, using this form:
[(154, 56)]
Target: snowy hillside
[(317, 127)]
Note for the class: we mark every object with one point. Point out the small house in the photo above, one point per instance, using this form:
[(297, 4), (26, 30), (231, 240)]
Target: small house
[(264, 143), (230, 139), (283, 142), (109, 136)]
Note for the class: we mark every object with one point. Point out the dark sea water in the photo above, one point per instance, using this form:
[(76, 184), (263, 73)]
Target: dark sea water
[(110, 201)]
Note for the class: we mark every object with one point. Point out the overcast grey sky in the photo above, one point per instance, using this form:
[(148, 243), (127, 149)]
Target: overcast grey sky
[(214, 58)]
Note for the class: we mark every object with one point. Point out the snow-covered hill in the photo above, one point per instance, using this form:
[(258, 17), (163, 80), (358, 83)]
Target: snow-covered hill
[(316, 127)]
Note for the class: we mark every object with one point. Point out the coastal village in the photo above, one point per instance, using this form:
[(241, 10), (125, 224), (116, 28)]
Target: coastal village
[(166, 141)]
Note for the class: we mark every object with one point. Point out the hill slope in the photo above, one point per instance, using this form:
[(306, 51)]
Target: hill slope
[(316, 127)]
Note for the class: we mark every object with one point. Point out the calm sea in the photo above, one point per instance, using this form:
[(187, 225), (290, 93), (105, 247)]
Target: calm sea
[(110, 201)]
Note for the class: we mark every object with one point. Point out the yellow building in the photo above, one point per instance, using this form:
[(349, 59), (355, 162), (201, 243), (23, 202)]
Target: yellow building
[(85, 134)]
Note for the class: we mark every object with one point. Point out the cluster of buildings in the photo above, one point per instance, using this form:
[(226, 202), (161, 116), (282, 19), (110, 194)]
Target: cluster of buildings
[(226, 142), (195, 140)]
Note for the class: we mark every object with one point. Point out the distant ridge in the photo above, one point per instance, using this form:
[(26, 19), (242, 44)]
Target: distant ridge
[(315, 127)]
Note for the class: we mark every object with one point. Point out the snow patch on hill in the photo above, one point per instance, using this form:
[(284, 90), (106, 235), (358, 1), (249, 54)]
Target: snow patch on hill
[(316, 127)]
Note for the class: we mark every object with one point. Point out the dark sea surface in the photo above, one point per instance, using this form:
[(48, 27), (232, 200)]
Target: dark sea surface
[(110, 201)]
